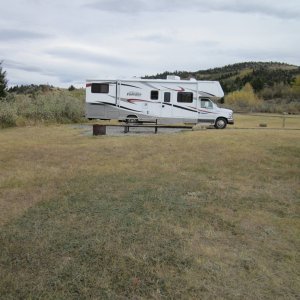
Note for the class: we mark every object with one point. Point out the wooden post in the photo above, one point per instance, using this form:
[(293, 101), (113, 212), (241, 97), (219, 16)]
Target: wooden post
[(99, 129)]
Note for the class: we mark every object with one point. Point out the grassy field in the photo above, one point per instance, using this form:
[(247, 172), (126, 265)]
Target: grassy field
[(274, 121), (192, 215)]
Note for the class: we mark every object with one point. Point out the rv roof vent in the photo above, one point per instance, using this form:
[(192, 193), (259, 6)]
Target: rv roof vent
[(173, 77), (193, 79)]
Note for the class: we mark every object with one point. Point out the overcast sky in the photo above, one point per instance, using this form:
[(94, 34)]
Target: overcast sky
[(62, 42)]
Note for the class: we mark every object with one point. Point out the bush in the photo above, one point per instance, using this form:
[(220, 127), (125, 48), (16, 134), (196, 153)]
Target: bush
[(296, 87), (8, 116), (278, 90), (278, 106), (71, 88), (245, 99), (57, 107), (53, 107)]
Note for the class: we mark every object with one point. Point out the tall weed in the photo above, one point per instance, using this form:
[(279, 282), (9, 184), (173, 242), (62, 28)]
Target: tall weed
[(8, 115), (54, 106)]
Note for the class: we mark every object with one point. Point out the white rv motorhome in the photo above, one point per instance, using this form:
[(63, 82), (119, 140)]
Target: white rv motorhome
[(168, 100)]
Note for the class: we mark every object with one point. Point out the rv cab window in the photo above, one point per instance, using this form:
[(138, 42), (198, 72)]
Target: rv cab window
[(206, 103), (154, 95), (102, 88)]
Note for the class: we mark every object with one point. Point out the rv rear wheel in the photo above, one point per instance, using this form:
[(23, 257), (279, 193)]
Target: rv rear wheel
[(220, 123), (131, 119)]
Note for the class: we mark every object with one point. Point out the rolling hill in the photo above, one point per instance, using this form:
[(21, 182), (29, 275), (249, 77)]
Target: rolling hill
[(234, 77)]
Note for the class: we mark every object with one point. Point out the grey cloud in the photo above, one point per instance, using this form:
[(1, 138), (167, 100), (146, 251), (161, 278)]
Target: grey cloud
[(88, 56), (251, 7), (19, 34), (120, 6), (265, 55), (139, 6), (154, 38), (65, 76), (11, 64), (170, 41)]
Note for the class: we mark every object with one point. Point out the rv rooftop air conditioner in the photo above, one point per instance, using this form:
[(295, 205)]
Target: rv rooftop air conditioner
[(173, 77)]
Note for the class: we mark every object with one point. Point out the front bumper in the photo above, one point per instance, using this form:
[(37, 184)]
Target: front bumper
[(231, 122)]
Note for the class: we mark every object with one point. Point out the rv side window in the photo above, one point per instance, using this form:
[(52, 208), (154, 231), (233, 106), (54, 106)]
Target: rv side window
[(167, 97), (102, 88), (185, 97), (154, 95)]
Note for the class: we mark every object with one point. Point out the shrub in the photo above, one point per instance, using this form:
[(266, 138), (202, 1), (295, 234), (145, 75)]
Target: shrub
[(280, 106), (296, 87), (71, 88), (53, 107), (245, 99), (8, 116)]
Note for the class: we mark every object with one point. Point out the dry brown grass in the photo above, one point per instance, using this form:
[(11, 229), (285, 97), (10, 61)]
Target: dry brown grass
[(271, 120), (207, 214)]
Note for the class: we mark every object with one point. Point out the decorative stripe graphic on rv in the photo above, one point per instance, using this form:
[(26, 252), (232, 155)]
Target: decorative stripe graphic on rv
[(184, 108), (152, 86), (180, 89), (206, 93), (102, 103), (193, 109), (132, 101), (137, 87), (202, 110)]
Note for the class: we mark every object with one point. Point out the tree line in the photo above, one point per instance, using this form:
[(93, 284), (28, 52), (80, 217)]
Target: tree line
[(234, 77)]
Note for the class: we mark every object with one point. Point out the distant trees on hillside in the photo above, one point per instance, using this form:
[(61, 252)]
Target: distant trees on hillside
[(262, 77), (296, 85), (30, 88), (269, 80)]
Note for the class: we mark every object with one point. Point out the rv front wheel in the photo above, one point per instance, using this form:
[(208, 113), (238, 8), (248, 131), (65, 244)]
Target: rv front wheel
[(220, 123)]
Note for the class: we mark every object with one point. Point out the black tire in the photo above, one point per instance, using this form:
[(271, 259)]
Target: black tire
[(220, 123), (131, 119)]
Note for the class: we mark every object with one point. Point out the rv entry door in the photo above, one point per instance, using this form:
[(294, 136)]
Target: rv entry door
[(166, 106)]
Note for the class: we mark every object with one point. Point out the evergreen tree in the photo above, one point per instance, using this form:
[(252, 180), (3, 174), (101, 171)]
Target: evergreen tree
[(3, 82), (71, 88)]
